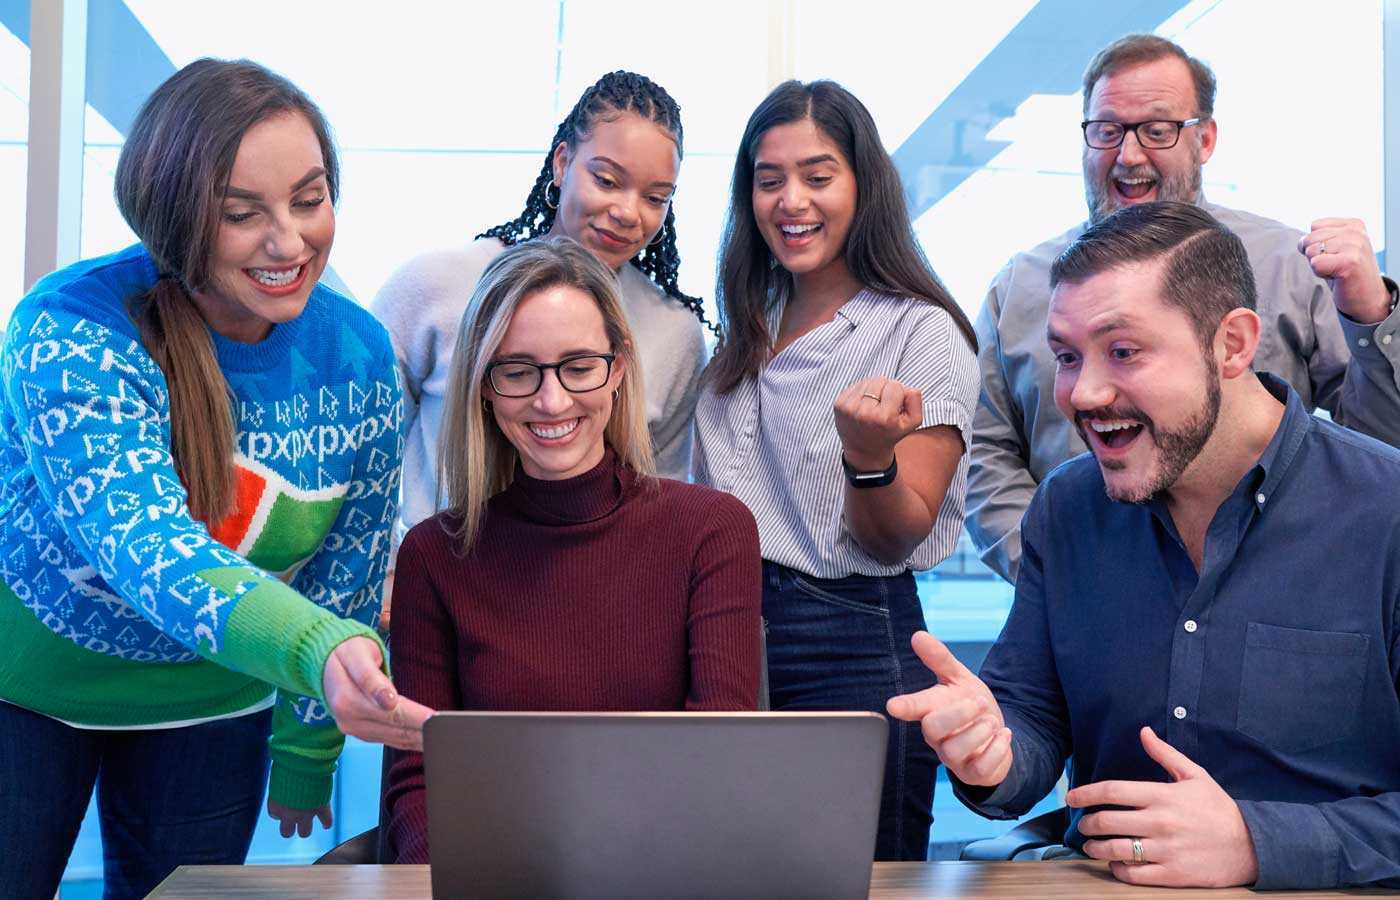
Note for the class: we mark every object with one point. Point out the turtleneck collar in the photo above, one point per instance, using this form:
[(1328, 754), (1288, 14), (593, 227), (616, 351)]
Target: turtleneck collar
[(571, 501)]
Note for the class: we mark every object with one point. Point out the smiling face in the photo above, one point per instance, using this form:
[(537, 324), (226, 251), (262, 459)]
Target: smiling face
[(615, 186), (1128, 174), (804, 198), (558, 433), (274, 234), (1133, 378)]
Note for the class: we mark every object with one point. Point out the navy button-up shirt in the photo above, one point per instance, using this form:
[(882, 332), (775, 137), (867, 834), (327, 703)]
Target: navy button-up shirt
[(1276, 668)]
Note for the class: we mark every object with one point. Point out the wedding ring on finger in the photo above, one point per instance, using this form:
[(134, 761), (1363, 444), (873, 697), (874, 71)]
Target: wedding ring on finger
[(1137, 852), (875, 397), (1321, 247)]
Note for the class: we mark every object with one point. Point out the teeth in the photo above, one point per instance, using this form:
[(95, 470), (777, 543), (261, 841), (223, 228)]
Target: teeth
[(1135, 180), (275, 279), (554, 431), (1106, 427), (798, 229)]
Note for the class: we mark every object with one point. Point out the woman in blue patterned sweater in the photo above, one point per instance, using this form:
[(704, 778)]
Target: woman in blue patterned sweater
[(199, 453)]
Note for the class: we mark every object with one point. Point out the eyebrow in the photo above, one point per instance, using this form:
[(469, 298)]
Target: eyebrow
[(1099, 331), (801, 163), (567, 354), (241, 194), (670, 185)]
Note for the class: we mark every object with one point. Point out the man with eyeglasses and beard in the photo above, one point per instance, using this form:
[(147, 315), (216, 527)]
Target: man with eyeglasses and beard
[(1221, 673), (1328, 315)]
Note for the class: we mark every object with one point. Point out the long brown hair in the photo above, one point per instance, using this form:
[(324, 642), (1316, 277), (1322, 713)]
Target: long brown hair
[(170, 183), (881, 251)]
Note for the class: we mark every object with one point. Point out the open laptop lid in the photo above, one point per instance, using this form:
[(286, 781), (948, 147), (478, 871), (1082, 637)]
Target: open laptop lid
[(653, 804)]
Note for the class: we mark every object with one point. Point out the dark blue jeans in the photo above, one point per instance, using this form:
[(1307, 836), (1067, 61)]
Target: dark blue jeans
[(843, 644), (166, 797)]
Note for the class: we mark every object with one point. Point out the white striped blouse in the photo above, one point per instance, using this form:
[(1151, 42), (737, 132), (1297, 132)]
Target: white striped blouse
[(772, 441)]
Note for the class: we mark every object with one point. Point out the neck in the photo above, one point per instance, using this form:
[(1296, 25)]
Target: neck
[(1249, 418), (826, 288)]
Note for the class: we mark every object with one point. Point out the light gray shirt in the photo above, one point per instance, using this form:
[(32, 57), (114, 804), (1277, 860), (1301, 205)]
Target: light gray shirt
[(422, 304), (772, 441), (1019, 435)]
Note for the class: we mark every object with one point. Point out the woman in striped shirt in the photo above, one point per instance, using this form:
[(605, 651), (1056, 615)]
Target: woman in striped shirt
[(836, 409)]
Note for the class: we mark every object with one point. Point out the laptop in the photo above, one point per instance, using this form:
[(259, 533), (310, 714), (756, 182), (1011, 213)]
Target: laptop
[(615, 805)]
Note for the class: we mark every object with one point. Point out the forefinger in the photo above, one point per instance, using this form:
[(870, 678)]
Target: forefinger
[(1135, 794)]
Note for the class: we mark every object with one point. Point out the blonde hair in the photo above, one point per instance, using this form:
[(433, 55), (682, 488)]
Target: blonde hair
[(475, 459)]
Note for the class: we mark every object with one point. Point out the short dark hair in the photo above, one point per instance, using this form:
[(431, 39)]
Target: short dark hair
[(1207, 272), (1136, 49)]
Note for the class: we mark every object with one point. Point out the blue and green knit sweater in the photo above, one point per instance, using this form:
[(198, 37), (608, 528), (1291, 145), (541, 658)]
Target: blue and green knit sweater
[(116, 607)]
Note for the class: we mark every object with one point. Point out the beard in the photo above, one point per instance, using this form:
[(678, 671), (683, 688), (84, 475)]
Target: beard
[(1184, 186), (1177, 447)]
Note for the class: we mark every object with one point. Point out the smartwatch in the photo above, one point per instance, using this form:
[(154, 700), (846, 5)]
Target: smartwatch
[(870, 479)]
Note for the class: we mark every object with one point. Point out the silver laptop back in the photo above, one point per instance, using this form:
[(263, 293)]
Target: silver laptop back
[(726, 805)]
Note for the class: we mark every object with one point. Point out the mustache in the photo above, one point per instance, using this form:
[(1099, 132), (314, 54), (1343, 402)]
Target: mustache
[(1144, 170)]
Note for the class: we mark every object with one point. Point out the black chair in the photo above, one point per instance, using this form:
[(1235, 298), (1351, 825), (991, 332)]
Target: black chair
[(1027, 841), (367, 847)]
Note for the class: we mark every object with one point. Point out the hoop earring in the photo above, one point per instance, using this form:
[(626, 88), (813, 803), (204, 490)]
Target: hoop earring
[(555, 204)]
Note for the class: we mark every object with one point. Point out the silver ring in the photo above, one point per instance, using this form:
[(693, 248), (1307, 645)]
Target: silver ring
[(1137, 852), (875, 397), (1321, 247)]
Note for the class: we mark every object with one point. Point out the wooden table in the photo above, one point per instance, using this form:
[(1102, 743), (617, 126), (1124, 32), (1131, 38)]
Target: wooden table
[(944, 880)]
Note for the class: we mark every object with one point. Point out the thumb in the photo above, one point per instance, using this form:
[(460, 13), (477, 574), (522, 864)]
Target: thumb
[(1178, 765), (913, 407), (362, 661), (939, 659)]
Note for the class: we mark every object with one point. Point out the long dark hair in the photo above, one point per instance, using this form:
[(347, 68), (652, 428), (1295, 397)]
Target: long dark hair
[(615, 92), (881, 251), (170, 183)]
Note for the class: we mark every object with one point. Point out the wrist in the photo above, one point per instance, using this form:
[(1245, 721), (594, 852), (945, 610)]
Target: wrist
[(858, 477), (867, 461)]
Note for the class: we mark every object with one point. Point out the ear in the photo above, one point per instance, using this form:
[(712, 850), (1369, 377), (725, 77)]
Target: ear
[(1207, 138), (619, 369), (1236, 342), (559, 161)]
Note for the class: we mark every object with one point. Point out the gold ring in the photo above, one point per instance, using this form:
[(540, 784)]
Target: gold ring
[(875, 397), (1137, 852)]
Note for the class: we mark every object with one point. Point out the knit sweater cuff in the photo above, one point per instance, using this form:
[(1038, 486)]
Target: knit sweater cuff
[(276, 634), (298, 790)]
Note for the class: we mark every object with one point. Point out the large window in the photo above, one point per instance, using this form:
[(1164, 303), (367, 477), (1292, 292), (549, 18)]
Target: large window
[(444, 112), (14, 157)]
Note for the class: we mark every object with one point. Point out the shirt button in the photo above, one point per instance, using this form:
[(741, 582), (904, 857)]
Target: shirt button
[(1179, 712), (1385, 338), (1363, 342), (1190, 626), (1260, 498)]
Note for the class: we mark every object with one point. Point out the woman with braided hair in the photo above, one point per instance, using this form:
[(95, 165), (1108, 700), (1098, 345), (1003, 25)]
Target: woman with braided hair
[(607, 182)]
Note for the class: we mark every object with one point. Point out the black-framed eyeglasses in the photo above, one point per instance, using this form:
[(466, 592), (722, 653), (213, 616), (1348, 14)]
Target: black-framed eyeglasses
[(1153, 134), (576, 374)]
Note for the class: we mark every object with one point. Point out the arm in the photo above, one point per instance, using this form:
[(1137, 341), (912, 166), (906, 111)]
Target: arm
[(119, 501), (425, 652), (918, 419), (671, 436), (346, 577), (723, 622), (999, 482), (1353, 363)]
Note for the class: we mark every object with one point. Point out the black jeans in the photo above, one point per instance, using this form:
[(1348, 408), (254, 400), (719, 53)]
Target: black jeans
[(843, 644)]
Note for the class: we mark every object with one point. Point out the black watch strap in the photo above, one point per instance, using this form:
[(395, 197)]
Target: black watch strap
[(870, 479)]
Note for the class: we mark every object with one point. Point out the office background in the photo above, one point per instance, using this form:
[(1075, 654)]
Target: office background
[(443, 110)]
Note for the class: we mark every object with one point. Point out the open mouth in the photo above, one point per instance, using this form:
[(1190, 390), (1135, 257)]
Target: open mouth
[(1134, 188), (557, 431), (277, 281), (1115, 434), (797, 235)]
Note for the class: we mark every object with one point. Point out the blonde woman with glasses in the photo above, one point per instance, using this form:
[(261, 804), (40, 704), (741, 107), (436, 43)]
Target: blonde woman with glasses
[(563, 575)]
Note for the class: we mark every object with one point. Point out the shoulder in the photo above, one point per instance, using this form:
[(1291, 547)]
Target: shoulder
[(430, 538), (93, 289), (443, 275), (652, 313), (1370, 468), (696, 504), (1023, 284), (337, 312), (1272, 246)]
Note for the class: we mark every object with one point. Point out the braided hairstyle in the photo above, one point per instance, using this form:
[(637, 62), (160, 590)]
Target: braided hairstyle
[(615, 92)]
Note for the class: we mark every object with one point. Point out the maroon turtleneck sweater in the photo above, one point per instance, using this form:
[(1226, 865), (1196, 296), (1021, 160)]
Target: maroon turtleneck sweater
[(603, 592)]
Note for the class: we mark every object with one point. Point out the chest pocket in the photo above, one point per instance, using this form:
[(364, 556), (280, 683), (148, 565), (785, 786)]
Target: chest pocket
[(1300, 689)]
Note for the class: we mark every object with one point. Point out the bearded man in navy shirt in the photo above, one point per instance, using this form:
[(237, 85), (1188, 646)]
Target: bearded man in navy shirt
[(1205, 619)]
